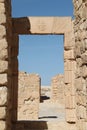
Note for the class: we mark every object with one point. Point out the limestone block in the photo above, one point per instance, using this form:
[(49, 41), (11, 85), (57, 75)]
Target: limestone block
[(82, 47), (4, 54), (69, 40), (69, 65), (57, 92), (84, 13), (70, 115), (2, 125), (71, 126), (69, 76), (77, 51), (3, 96), (81, 125), (81, 112), (3, 31), (84, 71), (2, 8), (78, 72), (81, 99), (41, 24), (3, 49), (69, 55), (70, 102), (84, 57), (79, 62), (2, 113), (85, 42), (80, 84), (2, 18), (70, 89), (3, 66), (3, 79), (62, 25), (3, 44)]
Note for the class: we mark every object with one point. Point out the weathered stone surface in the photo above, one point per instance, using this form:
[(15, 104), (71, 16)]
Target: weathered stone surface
[(4, 54), (39, 25), (69, 76), (70, 102), (3, 30), (3, 96), (28, 96), (2, 125), (3, 44), (69, 55), (3, 49), (2, 18), (70, 89), (70, 115), (56, 26), (84, 71), (3, 66), (57, 86), (3, 79), (2, 113), (2, 8), (79, 62), (81, 99), (84, 58), (70, 65), (79, 83), (81, 112)]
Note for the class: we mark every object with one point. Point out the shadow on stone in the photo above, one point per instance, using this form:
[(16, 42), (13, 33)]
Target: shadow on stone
[(30, 125), (47, 117)]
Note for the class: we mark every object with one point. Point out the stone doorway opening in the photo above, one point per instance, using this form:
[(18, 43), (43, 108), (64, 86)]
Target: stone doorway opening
[(46, 26), (40, 54)]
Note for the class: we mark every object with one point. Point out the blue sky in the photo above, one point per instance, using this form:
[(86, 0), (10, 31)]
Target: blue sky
[(41, 54)]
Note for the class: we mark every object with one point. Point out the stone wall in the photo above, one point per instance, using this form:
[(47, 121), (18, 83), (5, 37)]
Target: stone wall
[(28, 96), (57, 89), (5, 42), (75, 61), (80, 30)]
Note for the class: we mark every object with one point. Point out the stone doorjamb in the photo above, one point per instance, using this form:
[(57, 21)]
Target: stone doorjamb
[(56, 26)]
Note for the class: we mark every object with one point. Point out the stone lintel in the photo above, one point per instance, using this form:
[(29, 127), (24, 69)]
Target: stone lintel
[(42, 25)]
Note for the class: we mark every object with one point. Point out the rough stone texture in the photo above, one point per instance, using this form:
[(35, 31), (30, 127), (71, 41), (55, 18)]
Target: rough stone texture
[(28, 96), (57, 89), (3, 96), (74, 50), (80, 31), (5, 41), (2, 113), (2, 125)]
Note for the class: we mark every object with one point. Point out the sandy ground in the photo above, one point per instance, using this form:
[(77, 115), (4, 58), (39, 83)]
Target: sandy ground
[(49, 111)]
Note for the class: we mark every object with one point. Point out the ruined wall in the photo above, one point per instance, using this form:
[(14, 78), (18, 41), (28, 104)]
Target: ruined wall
[(57, 89), (80, 30), (28, 96), (5, 43)]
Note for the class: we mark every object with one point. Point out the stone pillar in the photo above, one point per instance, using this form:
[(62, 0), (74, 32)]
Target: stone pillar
[(5, 41), (80, 30), (69, 75)]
